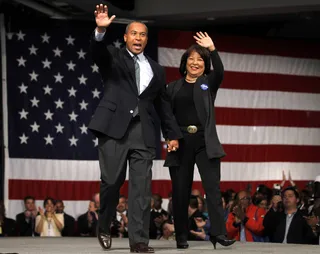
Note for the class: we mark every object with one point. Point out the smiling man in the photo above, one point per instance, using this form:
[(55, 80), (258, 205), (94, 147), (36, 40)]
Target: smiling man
[(134, 88)]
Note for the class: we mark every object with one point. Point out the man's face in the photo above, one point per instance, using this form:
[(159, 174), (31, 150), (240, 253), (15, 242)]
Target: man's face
[(122, 205), (29, 205), (244, 199), (289, 200), (97, 200), (136, 38), (59, 207)]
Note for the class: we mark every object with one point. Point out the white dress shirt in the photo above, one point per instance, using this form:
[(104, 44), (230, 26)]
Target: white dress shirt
[(146, 73)]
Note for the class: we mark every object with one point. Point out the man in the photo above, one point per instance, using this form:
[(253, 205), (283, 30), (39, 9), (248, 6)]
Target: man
[(26, 220), (119, 224), (286, 224), (87, 222), (124, 124), (157, 217), (69, 221)]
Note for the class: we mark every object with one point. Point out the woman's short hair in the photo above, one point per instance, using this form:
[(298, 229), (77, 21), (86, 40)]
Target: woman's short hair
[(203, 52)]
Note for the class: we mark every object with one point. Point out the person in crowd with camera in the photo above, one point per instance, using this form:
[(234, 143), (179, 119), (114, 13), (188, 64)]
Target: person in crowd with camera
[(284, 223)]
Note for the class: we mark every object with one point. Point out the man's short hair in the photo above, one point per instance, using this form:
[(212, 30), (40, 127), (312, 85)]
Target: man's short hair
[(296, 193), (135, 21), (27, 198)]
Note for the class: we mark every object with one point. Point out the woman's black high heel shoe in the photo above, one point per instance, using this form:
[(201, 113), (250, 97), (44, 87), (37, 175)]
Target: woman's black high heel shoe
[(223, 240)]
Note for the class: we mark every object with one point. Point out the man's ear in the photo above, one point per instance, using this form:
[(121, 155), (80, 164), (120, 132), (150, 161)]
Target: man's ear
[(125, 37)]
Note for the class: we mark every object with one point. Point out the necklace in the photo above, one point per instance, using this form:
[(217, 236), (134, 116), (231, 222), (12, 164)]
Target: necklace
[(191, 80)]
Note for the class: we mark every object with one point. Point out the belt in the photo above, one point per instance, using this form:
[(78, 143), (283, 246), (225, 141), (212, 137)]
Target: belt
[(192, 128)]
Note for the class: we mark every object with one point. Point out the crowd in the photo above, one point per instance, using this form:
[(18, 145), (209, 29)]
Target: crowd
[(280, 215)]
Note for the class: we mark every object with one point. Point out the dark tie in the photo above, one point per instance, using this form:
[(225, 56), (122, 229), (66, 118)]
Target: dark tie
[(137, 73)]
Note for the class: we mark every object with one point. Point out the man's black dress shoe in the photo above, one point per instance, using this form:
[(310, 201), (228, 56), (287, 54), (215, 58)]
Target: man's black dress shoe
[(105, 239), (141, 248), (182, 245)]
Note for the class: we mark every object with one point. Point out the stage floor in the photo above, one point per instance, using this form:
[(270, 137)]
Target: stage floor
[(91, 245)]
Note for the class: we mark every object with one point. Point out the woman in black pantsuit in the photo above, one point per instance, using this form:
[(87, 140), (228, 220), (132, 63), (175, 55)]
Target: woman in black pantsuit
[(192, 100)]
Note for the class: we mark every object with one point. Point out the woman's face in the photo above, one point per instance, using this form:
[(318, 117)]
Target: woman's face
[(49, 206), (195, 64)]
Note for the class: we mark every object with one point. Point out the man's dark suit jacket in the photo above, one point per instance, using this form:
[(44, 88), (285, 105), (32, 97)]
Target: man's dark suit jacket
[(83, 225), (299, 231), (25, 228), (69, 225), (204, 95), (115, 110)]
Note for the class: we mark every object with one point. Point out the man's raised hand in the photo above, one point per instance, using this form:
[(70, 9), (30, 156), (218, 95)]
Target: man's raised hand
[(102, 17)]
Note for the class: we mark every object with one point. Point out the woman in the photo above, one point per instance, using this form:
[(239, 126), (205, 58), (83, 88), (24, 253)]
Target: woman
[(192, 100), (49, 223)]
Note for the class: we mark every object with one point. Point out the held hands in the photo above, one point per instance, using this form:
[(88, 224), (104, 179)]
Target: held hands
[(173, 145), (102, 17), (204, 40)]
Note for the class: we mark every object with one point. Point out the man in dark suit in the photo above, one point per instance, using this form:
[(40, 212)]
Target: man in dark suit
[(134, 90), (69, 221), (26, 220), (286, 223)]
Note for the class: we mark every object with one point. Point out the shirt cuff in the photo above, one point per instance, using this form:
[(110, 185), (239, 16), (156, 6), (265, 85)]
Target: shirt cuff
[(98, 36)]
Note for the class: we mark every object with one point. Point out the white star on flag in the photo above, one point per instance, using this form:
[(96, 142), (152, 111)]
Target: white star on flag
[(35, 127), (72, 92), (23, 88), (20, 36), (23, 139), (23, 114), (82, 79), (73, 141), (95, 142), (48, 115), (33, 50), (73, 116), (95, 68), (46, 63), (45, 38), (34, 76), (81, 53), (59, 128), (83, 105), (48, 139), (70, 40), (35, 102), (57, 52), (47, 90), (58, 78), (59, 104), (84, 129), (95, 93), (117, 44), (71, 66), (21, 61)]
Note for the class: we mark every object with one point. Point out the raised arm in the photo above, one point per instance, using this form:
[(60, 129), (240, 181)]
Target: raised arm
[(216, 76), (100, 52)]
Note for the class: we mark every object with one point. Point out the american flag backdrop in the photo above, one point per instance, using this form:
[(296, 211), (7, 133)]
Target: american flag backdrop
[(268, 112)]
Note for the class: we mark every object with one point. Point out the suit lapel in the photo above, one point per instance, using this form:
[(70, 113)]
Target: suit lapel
[(176, 87), (129, 63)]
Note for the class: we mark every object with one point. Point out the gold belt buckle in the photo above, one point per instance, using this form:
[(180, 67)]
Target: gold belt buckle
[(192, 129)]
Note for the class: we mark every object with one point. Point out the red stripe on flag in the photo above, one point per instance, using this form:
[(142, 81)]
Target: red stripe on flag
[(83, 190), (268, 153), (261, 81), (243, 45), (267, 117)]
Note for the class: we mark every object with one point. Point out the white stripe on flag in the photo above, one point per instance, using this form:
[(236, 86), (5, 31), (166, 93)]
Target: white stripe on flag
[(71, 170), (170, 57)]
